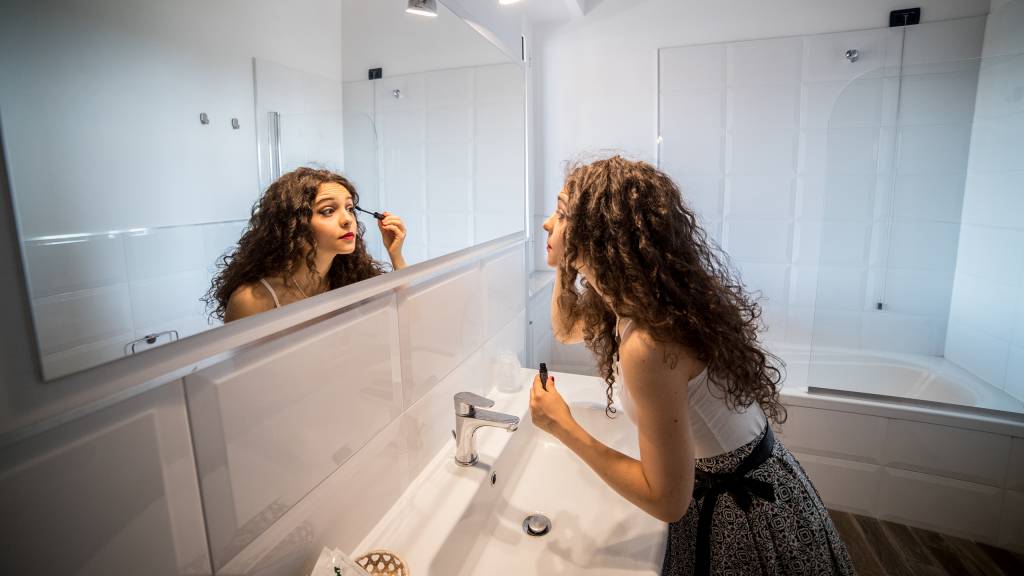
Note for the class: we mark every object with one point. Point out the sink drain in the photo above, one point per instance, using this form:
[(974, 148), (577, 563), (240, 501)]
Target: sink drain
[(536, 525)]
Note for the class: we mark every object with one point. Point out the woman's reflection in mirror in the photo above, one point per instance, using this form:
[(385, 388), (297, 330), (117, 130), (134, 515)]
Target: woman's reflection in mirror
[(303, 239)]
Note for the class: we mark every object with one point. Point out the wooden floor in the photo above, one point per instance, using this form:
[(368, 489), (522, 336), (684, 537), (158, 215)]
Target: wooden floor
[(881, 547)]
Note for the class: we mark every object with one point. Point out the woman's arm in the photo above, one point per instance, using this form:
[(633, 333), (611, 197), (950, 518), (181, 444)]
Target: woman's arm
[(560, 325), (661, 481), (247, 300)]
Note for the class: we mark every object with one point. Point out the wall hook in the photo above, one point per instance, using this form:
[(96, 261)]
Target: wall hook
[(853, 55)]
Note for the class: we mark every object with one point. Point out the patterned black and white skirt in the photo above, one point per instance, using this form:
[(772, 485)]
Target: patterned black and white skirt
[(769, 521)]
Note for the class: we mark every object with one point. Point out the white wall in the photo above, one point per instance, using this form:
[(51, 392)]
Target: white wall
[(986, 325), (597, 77)]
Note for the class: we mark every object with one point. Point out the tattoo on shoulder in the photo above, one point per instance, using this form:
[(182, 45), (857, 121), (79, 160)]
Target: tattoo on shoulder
[(670, 358)]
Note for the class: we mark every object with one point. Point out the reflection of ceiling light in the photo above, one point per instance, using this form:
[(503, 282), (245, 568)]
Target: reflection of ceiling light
[(423, 7), (507, 1)]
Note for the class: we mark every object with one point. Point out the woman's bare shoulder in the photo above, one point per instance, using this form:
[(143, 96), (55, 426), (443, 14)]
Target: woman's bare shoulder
[(640, 352), (248, 299)]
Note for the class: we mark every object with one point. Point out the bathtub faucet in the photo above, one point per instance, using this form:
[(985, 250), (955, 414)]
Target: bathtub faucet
[(468, 418)]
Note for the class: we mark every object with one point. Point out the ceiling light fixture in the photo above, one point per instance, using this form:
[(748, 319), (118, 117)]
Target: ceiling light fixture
[(507, 1), (423, 8)]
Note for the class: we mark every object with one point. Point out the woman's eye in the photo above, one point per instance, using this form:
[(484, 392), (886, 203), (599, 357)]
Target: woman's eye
[(351, 209), (327, 211)]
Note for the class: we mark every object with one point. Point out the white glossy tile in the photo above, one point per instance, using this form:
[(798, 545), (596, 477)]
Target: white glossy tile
[(452, 160), (59, 491), (977, 352), (412, 88), (921, 292), (825, 55), (685, 67), (836, 328), (220, 239), (400, 128), (838, 104), (924, 245), (803, 286), (757, 152), (86, 355), (940, 98), (491, 225), (936, 197), (701, 193), (357, 97), (905, 333), (60, 266), (695, 109), (448, 232), (843, 484), (836, 196), (449, 87), (504, 279), (768, 196), (69, 320), (274, 421), (996, 145), (769, 280), (441, 325), (993, 199), (835, 434), (929, 149), (1015, 471), (499, 160), (998, 80), (162, 252), (160, 300), (992, 254), (944, 505), (452, 124), (832, 243), (772, 107), (840, 151), (840, 288), (500, 122), (948, 41), (450, 195), (758, 241), (500, 195), (498, 82), (698, 153), (799, 329), (1012, 534), (968, 455), (985, 305), (775, 61)]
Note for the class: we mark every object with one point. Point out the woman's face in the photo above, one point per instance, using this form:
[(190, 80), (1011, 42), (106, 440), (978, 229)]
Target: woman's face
[(334, 219), (555, 227)]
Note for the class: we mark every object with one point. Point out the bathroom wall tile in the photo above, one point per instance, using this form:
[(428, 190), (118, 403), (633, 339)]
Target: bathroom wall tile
[(69, 320), (799, 327), (449, 87), (160, 300), (836, 328), (701, 193), (451, 124), (450, 160), (768, 196), (999, 78), (491, 225), (835, 434), (942, 98), (946, 42), (921, 292), (498, 160), (441, 325), (695, 109), (274, 421), (86, 355), (840, 288), (938, 197), (698, 152), (758, 241), (358, 97), (968, 455), (843, 484), (775, 61), (903, 332), (803, 286), (835, 196), (60, 266), (991, 254), (1012, 534), (338, 513), (500, 195), (448, 233), (756, 152), (775, 106), (977, 352), (842, 104), (840, 151), (993, 199), (499, 82), (933, 149), (504, 284), (145, 518), (825, 55), (770, 280), (924, 245), (996, 145), (1015, 471), (450, 195), (161, 252), (988, 306), (831, 243), (500, 122), (403, 171), (398, 128), (413, 93), (688, 66), (219, 239), (944, 505)]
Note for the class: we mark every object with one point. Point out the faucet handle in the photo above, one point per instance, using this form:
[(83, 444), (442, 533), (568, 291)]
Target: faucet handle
[(466, 401)]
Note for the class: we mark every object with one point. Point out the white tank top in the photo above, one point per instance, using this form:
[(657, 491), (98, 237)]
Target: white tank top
[(714, 427)]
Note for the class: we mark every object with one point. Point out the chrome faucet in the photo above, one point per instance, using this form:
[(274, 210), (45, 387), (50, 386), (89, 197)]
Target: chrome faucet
[(468, 419)]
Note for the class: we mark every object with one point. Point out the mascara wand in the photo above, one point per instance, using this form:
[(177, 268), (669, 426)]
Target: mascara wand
[(376, 215)]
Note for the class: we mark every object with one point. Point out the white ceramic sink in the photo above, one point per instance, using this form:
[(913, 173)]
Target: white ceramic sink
[(453, 521)]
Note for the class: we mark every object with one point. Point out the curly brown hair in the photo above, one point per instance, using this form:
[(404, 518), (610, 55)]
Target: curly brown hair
[(278, 239), (655, 264)]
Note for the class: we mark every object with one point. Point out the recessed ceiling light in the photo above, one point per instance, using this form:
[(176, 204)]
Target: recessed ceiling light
[(507, 1), (423, 8)]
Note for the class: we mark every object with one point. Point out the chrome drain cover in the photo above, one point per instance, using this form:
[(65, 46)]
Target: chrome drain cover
[(536, 525)]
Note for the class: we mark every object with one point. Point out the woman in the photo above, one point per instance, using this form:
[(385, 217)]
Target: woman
[(303, 239), (667, 319)]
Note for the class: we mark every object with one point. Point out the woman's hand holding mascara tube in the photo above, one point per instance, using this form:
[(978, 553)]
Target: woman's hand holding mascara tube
[(392, 231), (547, 407)]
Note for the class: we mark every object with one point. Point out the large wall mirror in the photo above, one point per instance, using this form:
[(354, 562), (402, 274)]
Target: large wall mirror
[(140, 134)]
